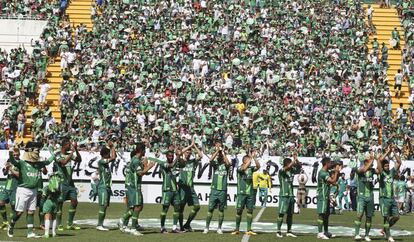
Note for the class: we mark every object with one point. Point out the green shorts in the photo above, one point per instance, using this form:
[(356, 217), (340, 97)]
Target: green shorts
[(365, 205), (188, 196), (134, 197), (104, 195), (170, 198), (8, 196), (68, 193), (388, 207), (322, 205), (217, 199), (50, 207), (245, 200), (286, 205)]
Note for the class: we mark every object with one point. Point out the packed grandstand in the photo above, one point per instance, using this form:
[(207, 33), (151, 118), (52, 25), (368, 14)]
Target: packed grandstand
[(267, 74)]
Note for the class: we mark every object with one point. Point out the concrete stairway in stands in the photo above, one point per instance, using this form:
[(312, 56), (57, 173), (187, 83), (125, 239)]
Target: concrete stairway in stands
[(79, 11), (385, 20)]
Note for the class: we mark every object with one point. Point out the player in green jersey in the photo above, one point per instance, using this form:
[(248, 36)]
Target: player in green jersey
[(108, 155), (388, 204), (286, 197), (365, 197), (26, 193), (218, 193), (186, 186), (325, 180), (343, 192), (67, 158), (170, 194), (8, 193), (137, 168), (245, 196), (50, 196)]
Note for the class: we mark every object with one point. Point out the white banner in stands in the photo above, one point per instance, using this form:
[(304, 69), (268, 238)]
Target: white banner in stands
[(202, 180)]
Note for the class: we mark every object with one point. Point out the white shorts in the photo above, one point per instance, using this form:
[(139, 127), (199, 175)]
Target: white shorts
[(400, 199), (26, 199)]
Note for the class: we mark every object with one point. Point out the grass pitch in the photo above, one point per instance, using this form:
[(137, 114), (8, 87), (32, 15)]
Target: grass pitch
[(89, 212)]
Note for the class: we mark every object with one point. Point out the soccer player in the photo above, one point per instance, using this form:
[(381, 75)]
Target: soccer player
[(365, 204), (137, 168), (325, 180), (287, 199), (26, 192), (388, 204), (66, 159), (218, 193), (170, 195), (186, 186), (8, 194), (50, 196), (343, 192), (245, 196), (108, 155)]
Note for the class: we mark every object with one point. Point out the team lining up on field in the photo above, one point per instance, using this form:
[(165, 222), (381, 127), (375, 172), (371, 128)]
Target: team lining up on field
[(25, 175)]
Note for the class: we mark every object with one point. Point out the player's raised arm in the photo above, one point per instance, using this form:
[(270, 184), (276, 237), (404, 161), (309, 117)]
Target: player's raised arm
[(397, 157), (381, 159), (78, 158), (367, 165), (199, 153), (246, 163), (334, 177), (147, 167), (256, 161)]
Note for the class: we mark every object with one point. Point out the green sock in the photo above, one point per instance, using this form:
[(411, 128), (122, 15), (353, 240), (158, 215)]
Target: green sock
[(279, 223), (181, 219), (387, 227), (30, 222), (320, 225), (71, 215), (3, 213), (175, 217), (41, 217), (102, 214), (220, 219), (357, 227), (135, 216), (162, 217), (191, 216), (367, 227), (238, 220), (126, 217), (249, 218), (208, 219), (59, 215)]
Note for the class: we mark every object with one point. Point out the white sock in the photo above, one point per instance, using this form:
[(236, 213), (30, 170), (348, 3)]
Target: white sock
[(47, 226), (54, 223), (174, 227)]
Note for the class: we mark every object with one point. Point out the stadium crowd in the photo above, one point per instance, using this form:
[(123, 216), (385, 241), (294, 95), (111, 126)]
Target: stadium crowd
[(32, 9), (274, 75)]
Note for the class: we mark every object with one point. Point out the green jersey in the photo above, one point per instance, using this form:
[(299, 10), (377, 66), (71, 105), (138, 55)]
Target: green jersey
[(54, 196), (187, 173), (386, 183), (105, 175), (134, 180), (29, 172), (12, 182), (365, 183), (65, 171), (401, 188), (342, 183), (286, 182), (221, 172), (245, 180), (323, 188), (169, 177)]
